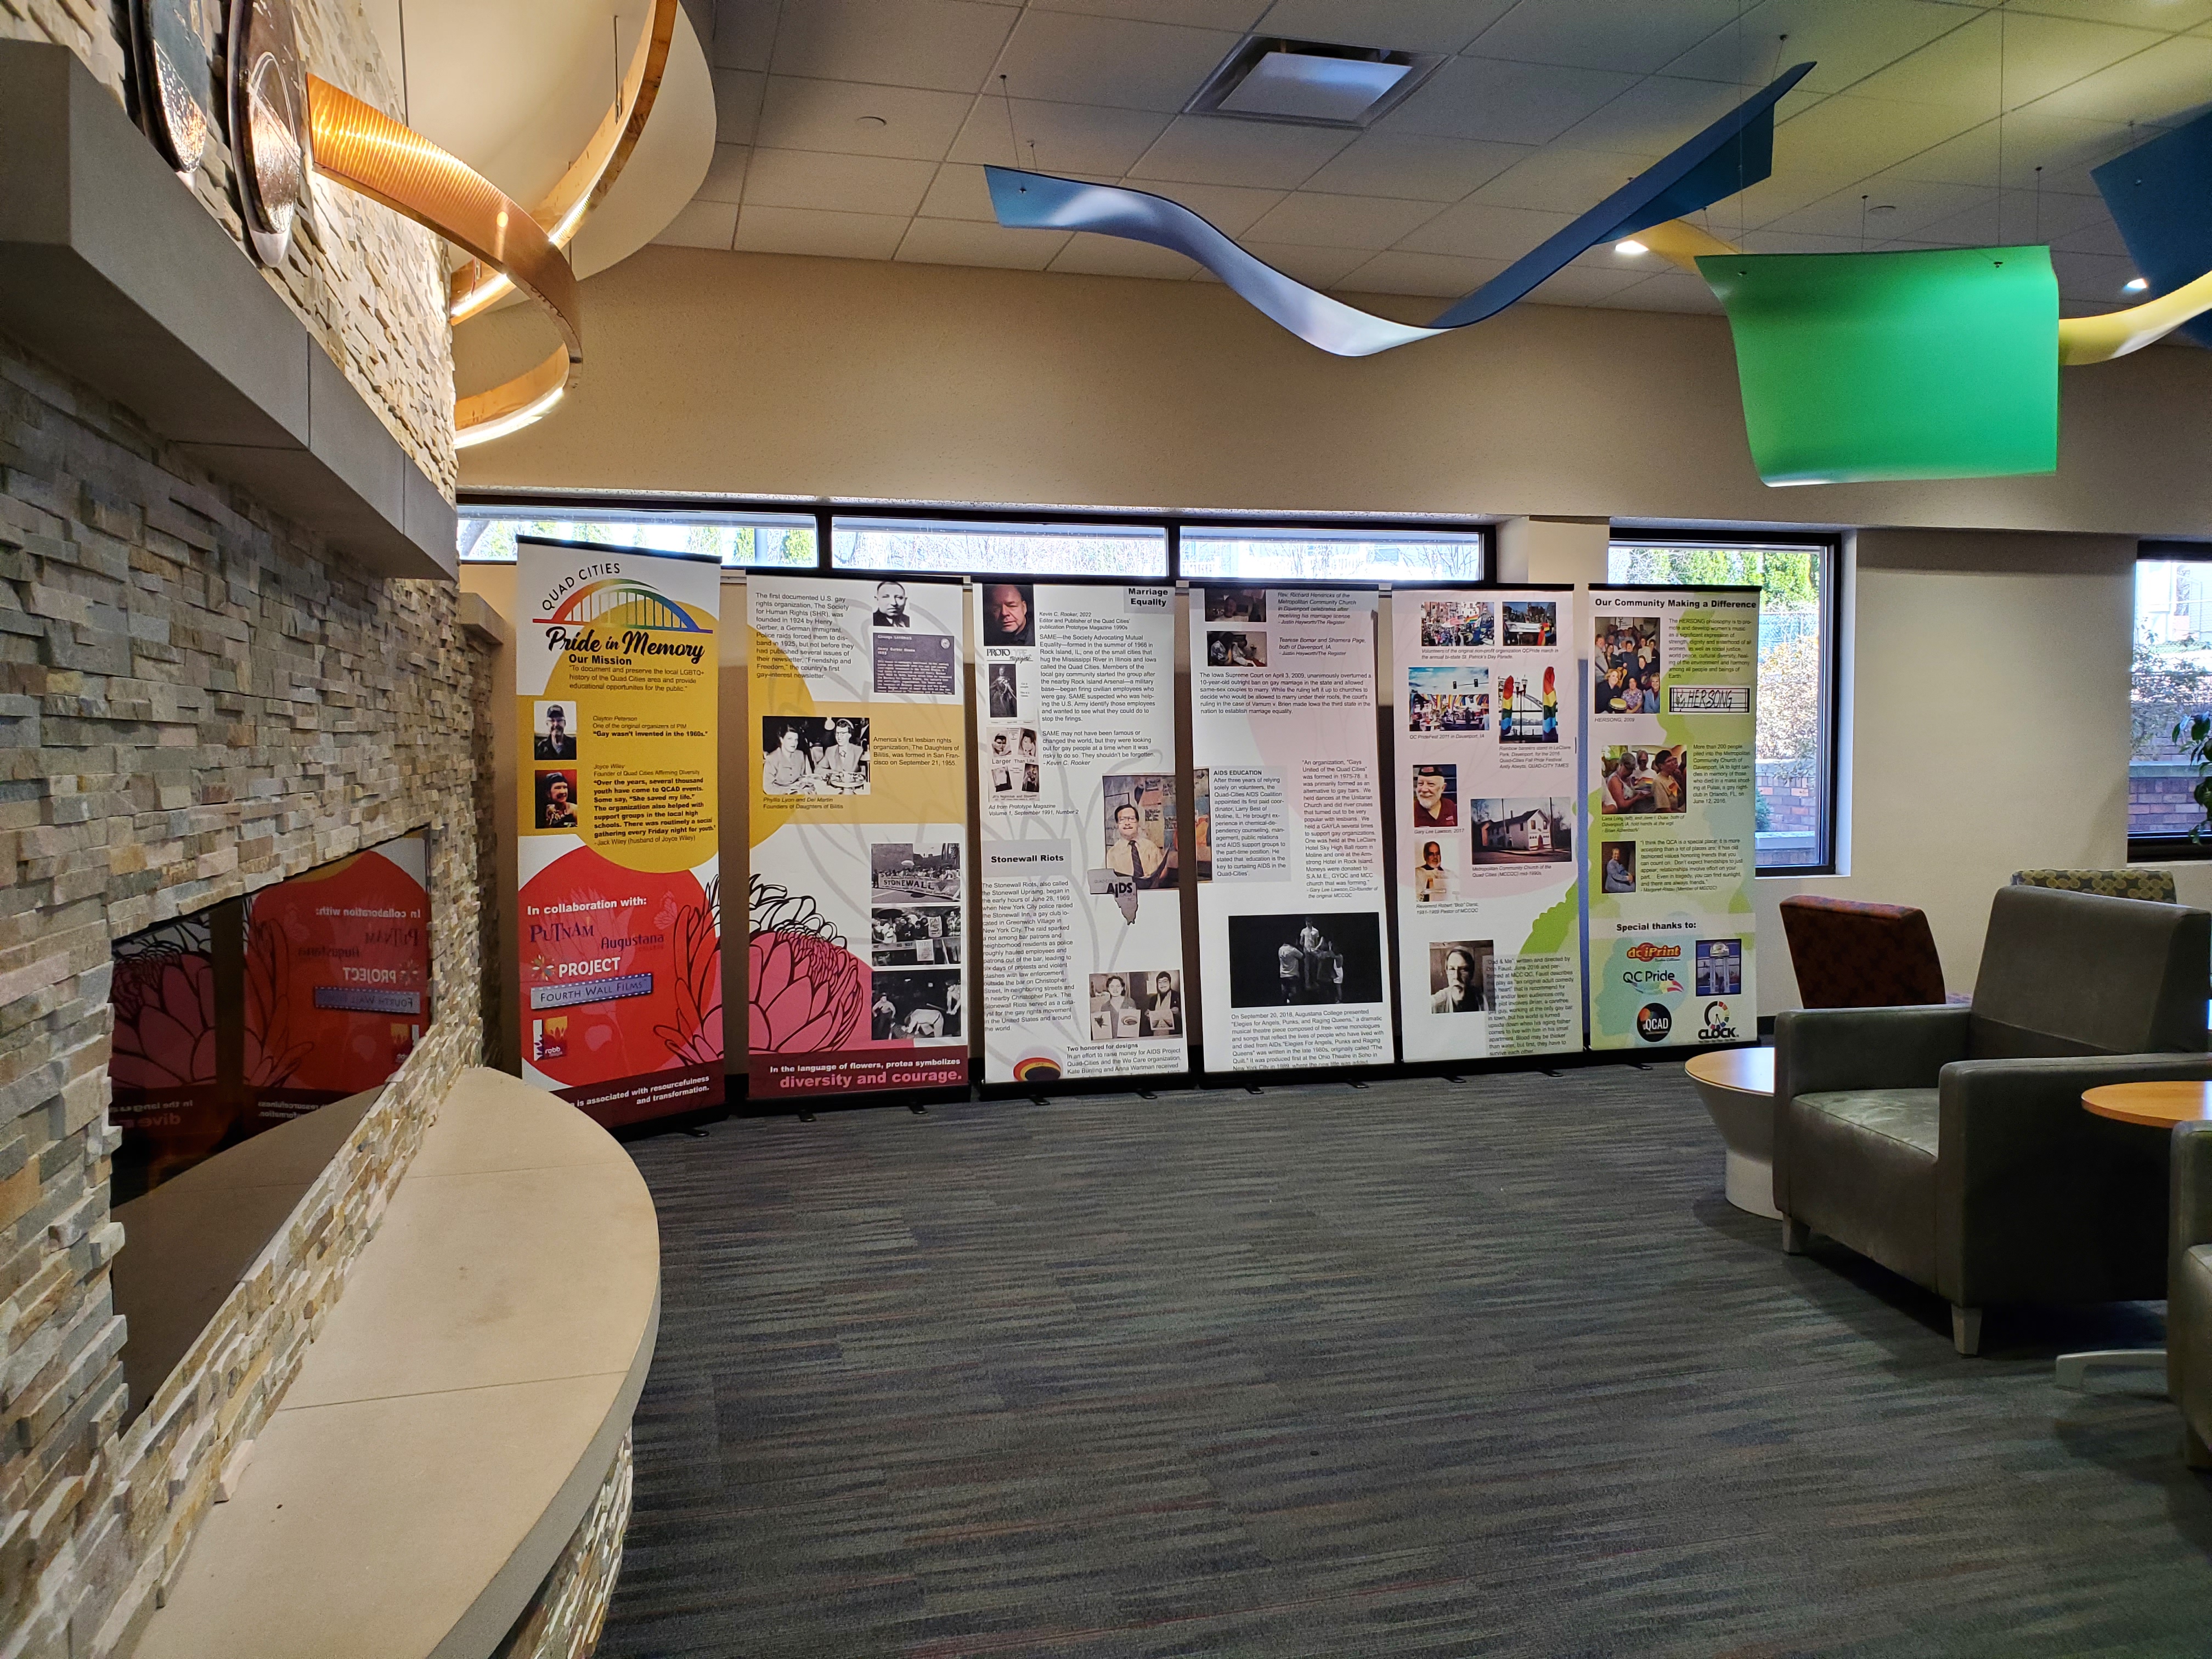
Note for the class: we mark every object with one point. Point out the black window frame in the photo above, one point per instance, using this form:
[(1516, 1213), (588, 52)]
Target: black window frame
[(1828, 760), (2176, 848)]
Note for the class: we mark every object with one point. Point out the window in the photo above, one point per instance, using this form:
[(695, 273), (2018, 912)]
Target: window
[(1349, 555), (2171, 682), (773, 541), (985, 548), (1795, 805)]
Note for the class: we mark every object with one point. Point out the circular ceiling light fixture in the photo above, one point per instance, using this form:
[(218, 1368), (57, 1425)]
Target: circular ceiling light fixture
[(2136, 285), (1630, 246), (871, 122), (173, 49), (274, 156)]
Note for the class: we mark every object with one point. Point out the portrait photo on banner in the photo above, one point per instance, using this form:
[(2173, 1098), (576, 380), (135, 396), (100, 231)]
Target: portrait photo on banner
[(1617, 867), (553, 731), (1246, 605), (1003, 695), (556, 799), (1460, 975), (1436, 875), (1305, 958), (814, 755), (1436, 796), (1136, 1005), (1009, 613), (1140, 828)]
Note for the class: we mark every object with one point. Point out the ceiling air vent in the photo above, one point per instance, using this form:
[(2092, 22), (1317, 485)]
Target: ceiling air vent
[(1310, 84)]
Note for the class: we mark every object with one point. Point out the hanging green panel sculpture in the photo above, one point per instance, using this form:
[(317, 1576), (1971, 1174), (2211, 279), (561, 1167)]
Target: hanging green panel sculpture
[(1855, 366)]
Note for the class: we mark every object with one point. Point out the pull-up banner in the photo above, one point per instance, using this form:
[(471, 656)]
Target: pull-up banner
[(618, 917), (1290, 904), (1672, 738), (1489, 930), (858, 954), (1082, 949)]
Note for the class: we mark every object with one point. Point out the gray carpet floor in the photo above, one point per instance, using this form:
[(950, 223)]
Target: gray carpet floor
[(1422, 1368)]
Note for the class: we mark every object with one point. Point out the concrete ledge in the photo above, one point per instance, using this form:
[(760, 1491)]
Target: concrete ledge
[(457, 1415), (112, 269)]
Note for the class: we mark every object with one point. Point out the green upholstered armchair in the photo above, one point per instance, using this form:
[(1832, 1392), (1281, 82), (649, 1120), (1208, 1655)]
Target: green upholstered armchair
[(1949, 1144), (2189, 1291)]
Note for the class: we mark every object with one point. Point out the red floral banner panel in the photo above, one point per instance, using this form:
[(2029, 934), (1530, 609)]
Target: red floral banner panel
[(618, 919)]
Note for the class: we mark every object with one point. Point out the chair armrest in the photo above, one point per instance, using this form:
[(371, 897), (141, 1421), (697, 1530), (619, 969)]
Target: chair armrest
[(2037, 1197), (2189, 1206), (1819, 1049)]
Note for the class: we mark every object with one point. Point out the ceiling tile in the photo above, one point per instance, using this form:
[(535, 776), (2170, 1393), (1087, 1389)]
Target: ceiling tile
[(725, 175), (1401, 272), (839, 183), (2099, 235), (1482, 230), (1911, 205), (1562, 180), (1634, 35), (1212, 149), (2038, 54), (1393, 25), (2096, 276), (2170, 81), (1798, 241), (2064, 148), (1654, 115), (1845, 43), (2142, 14), (1311, 219), (1235, 15), (963, 242), (1669, 290), (835, 115), (1073, 58), (1509, 103), (701, 224), (1384, 163), (1085, 138), (948, 44), (1317, 267), (1228, 209), (1583, 285), (737, 105), (744, 31), (1116, 256), (805, 230), (959, 192), (1773, 198), (1850, 135)]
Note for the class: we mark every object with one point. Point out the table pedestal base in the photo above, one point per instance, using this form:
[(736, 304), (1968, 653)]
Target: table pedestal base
[(2073, 1369), (1751, 1185)]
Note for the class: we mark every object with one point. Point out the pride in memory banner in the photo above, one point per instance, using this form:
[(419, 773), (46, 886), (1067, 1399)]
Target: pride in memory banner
[(1488, 782), (858, 956), (1082, 955), (618, 916), (1672, 736), (1291, 893)]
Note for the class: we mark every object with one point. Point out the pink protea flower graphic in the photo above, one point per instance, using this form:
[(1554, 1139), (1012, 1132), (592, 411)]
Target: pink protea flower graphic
[(164, 1018), (696, 1038), (808, 992)]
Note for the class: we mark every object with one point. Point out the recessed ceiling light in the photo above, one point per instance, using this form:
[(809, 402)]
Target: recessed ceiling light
[(1310, 84), (2134, 285), (871, 121), (1632, 246)]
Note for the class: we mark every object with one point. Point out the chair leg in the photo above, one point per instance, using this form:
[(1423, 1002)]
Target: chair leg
[(1796, 1236), (2194, 1452), (1966, 1330)]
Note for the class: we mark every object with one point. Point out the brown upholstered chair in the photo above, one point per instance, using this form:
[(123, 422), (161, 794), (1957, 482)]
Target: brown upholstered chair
[(1849, 954)]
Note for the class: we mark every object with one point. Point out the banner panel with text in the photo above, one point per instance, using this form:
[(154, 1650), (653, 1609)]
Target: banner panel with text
[(1489, 928), (1673, 694), (858, 949), (1082, 951), (1291, 900), (618, 918)]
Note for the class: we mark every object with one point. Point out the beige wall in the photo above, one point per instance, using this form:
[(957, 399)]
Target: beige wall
[(763, 373)]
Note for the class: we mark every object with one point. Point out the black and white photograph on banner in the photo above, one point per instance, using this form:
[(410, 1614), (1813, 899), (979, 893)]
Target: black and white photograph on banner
[(1134, 1006), (902, 871), (1447, 699), (1460, 975), (553, 736), (1005, 694), (1010, 764), (1617, 867), (814, 755), (915, 936), (1009, 613), (1529, 709), (1305, 958), (1201, 821), (920, 1003), (1531, 622), (1435, 797), (1433, 877), (1644, 780), (1531, 830), (556, 799), (1625, 666), (1231, 649), (1720, 967), (1457, 624), (1141, 830), (890, 606), (1246, 604)]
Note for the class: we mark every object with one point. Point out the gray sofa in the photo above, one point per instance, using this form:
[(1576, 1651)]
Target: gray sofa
[(1949, 1143), (2189, 1291)]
